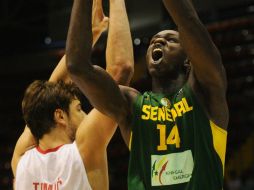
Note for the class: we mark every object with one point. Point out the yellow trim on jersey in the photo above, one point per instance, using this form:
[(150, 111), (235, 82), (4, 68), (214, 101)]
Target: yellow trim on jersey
[(130, 141), (219, 141)]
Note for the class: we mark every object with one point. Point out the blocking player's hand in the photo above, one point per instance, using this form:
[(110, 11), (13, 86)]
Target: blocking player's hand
[(99, 20)]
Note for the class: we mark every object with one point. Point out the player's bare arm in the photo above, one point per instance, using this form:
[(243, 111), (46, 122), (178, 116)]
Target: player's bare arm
[(95, 83), (208, 78), (119, 51), (26, 141), (119, 64), (99, 24), (96, 130)]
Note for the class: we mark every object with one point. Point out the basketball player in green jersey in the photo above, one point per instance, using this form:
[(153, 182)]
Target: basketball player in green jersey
[(176, 133)]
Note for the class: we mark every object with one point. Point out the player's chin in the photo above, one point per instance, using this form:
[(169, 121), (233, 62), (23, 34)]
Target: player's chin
[(154, 72)]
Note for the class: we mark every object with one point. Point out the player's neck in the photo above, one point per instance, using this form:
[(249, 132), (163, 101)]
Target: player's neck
[(54, 139), (167, 85)]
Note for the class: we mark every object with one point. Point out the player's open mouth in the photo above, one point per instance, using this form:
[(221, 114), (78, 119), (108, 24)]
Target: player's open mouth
[(157, 55)]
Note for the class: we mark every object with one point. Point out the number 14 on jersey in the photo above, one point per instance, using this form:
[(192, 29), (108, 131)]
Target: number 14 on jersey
[(172, 139)]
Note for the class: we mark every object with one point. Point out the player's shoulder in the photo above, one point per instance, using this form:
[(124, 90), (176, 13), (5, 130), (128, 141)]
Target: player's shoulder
[(25, 159), (129, 92)]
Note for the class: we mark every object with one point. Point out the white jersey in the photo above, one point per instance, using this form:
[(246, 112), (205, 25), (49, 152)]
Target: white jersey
[(60, 168)]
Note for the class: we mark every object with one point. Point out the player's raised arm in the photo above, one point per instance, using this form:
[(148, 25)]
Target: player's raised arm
[(99, 25), (95, 82), (26, 140), (119, 52), (208, 76)]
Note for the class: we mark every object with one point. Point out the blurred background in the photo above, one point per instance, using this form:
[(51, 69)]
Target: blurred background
[(32, 41)]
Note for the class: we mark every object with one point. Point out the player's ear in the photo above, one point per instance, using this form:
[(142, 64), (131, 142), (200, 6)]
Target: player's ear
[(60, 116)]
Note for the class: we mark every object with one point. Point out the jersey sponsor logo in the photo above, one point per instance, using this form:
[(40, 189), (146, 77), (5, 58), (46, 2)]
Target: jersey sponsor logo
[(171, 169), (165, 113), (47, 186)]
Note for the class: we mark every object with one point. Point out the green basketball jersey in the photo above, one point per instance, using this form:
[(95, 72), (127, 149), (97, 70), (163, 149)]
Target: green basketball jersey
[(174, 145)]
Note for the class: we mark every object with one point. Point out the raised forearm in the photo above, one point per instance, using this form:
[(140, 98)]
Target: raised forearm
[(99, 25), (119, 53), (196, 41), (79, 38), (94, 82), (99, 20), (192, 32), (180, 10), (60, 72)]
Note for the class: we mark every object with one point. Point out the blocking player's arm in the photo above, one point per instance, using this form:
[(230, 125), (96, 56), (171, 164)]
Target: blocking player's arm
[(25, 142), (119, 64), (97, 85), (119, 52), (60, 72), (96, 130), (99, 25), (208, 74)]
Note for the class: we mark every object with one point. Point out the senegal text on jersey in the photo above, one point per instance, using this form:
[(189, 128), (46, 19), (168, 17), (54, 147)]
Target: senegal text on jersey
[(163, 113)]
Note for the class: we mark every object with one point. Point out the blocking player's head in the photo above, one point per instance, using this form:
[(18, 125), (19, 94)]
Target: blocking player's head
[(45, 103)]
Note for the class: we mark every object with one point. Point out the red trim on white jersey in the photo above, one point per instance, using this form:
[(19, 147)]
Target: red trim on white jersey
[(48, 150)]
